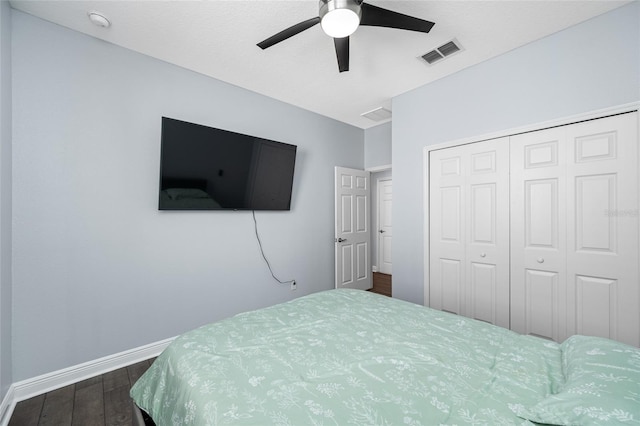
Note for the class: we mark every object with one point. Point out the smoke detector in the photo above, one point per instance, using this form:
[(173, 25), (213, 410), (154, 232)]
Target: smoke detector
[(99, 19)]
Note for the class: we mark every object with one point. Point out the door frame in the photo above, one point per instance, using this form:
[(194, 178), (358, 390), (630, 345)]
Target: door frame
[(378, 209), (601, 113), (364, 282)]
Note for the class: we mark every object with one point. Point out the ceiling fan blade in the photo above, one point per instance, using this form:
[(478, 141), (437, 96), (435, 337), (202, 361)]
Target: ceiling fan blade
[(379, 17), (342, 53), (289, 32)]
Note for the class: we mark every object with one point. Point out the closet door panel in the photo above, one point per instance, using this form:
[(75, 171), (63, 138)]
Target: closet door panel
[(487, 238), (483, 214), (484, 292), (449, 276), (596, 306), (602, 255), (450, 213), (541, 218), (446, 230), (595, 196), (541, 309), (469, 232), (538, 233)]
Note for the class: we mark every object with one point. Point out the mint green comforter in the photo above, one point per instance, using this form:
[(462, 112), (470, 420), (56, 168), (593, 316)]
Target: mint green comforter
[(348, 357)]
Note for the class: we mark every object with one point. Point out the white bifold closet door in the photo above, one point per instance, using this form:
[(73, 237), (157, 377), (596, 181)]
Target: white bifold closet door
[(538, 234), (469, 230), (574, 230)]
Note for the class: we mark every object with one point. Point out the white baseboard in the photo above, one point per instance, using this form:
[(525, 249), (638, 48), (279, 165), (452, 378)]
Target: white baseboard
[(6, 406), (29, 388)]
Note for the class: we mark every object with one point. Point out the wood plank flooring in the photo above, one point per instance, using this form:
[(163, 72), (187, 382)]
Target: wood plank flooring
[(381, 284), (98, 401)]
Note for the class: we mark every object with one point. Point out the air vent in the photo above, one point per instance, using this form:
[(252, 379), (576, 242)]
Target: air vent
[(432, 56), (441, 52), (448, 48), (378, 114)]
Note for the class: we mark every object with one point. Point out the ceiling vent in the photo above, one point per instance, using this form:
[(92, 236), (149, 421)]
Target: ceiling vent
[(378, 114), (442, 52)]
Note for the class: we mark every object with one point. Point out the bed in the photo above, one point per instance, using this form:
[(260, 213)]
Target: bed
[(350, 357)]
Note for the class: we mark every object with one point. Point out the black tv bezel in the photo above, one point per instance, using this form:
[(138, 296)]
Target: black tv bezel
[(223, 209)]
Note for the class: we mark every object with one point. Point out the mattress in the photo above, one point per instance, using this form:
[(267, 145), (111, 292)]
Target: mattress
[(354, 357)]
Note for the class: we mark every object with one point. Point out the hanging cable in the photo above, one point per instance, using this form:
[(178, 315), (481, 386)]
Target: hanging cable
[(255, 223)]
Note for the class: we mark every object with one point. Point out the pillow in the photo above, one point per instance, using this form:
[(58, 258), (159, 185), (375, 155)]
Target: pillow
[(602, 385), (186, 193)]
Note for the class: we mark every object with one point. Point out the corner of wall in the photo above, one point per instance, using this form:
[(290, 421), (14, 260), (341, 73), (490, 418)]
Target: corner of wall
[(6, 361)]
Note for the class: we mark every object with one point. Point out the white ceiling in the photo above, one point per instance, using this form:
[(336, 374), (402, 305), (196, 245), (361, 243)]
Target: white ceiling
[(218, 38)]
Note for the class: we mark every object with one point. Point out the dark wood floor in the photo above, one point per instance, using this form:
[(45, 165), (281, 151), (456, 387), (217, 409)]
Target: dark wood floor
[(381, 284), (99, 401)]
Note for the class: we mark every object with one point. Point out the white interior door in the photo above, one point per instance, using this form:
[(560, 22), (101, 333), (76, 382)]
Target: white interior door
[(487, 249), (538, 233), (469, 230), (602, 245), (447, 229), (574, 235), (353, 230), (385, 230)]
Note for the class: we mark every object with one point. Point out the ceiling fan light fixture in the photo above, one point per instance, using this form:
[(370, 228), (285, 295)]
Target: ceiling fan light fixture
[(339, 18)]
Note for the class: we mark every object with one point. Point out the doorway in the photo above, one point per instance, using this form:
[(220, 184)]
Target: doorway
[(381, 247), (384, 225), (352, 228)]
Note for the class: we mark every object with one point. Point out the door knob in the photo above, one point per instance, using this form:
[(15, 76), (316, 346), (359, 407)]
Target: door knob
[(381, 231), (540, 260), (340, 240), (483, 254)]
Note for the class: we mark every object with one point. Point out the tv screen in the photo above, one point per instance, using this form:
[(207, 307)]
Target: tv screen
[(203, 168)]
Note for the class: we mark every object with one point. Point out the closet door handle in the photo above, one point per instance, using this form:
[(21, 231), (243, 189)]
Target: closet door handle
[(540, 260), (483, 254)]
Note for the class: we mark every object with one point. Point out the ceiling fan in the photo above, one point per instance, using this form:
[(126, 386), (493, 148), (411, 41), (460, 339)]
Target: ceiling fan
[(340, 18)]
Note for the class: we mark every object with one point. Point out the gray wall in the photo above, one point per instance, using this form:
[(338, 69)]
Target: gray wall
[(97, 268), (5, 198), (377, 146), (590, 66)]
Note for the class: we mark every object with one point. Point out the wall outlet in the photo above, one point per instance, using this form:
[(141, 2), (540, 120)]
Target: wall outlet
[(294, 286)]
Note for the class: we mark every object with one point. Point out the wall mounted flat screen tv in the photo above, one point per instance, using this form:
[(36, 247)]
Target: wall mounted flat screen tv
[(204, 168)]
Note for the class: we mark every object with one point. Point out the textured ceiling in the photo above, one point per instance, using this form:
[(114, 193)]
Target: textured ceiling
[(218, 38)]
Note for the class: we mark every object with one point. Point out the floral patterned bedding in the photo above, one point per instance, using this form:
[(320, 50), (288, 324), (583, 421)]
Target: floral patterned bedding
[(349, 357)]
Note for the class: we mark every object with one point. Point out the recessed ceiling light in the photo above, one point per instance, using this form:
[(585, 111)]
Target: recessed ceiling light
[(99, 19)]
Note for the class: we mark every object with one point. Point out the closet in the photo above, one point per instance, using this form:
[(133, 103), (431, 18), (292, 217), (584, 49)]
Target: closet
[(538, 231), (469, 230)]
